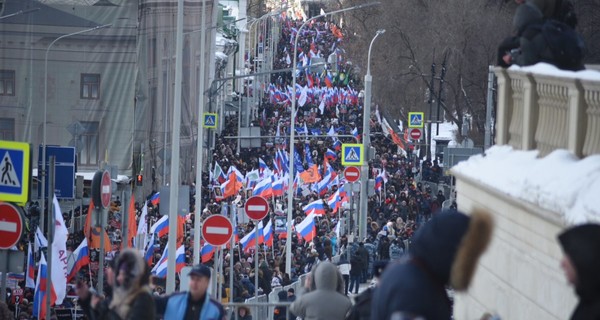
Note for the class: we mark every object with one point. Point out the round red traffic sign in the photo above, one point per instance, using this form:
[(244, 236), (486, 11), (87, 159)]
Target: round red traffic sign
[(352, 174), (105, 191), (256, 207), (415, 133), (11, 225), (217, 230), (101, 189)]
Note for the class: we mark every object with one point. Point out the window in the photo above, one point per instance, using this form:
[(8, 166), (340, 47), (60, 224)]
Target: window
[(7, 82), (7, 129), (90, 86), (88, 155)]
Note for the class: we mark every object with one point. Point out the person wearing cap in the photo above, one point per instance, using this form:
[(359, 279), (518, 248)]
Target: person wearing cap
[(444, 252), (195, 304), (581, 263)]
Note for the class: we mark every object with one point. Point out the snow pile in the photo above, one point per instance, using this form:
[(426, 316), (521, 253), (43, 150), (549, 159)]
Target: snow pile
[(550, 70), (559, 182)]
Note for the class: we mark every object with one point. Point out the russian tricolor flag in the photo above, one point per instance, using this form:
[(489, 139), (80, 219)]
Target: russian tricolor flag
[(39, 298), (267, 234), (330, 154), (30, 271), (263, 188), (149, 253), (82, 258), (317, 206), (160, 269), (277, 187), (207, 252), (155, 199), (161, 226), (337, 145), (248, 240), (306, 228), (180, 259), (334, 202)]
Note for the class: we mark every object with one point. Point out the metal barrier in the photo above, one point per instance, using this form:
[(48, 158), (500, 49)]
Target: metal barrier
[(258, 311)]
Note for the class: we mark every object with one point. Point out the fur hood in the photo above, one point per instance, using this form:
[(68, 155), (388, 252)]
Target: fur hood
[(136, 281), (450, 244)]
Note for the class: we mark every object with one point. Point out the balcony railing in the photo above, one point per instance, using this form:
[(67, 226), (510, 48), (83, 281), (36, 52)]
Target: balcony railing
[(543, 108)]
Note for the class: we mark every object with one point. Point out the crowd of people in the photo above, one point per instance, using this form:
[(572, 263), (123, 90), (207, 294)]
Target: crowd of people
[(329, 114)]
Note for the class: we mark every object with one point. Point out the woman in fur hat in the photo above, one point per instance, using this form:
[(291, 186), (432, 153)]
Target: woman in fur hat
[(132, 297), (444, 252)]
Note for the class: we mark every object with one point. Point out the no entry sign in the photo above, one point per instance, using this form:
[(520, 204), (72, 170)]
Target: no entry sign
[(257, 208), (352, 174), (217, 230), (415, 133), (11, 225), (101, 188)]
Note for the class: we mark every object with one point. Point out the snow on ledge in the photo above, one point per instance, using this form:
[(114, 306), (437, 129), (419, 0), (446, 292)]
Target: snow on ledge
[(546, 69), (559, 182)]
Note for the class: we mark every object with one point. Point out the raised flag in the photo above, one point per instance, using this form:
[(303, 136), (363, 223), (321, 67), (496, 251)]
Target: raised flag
[(316, 207), (39, 297), (131, 222), (160, 269), (180, 259), (330, 154), (40, 240), (155, 199), (248, 240), (308, 155), (207, 252), (334, 202), (30, 271), (311, 175), (263, 188), (59, 254), (80, 259), (149, 252), (268, 234), (142, 228), (306, 228), (231, 186), (355, 134), (161, 227)]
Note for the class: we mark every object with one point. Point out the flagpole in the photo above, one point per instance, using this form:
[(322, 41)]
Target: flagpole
[(51, 218)]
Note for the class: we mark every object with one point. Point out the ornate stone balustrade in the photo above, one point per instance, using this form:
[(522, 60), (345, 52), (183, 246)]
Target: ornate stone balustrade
[(541, 107)]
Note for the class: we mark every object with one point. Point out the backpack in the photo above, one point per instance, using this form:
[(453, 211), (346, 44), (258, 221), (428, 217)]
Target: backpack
[(565, 44)]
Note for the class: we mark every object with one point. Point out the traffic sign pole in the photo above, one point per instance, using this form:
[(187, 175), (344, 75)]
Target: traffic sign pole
[(51, 177)]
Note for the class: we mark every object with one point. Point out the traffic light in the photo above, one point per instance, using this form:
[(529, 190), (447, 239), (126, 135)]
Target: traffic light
[(139, 181)]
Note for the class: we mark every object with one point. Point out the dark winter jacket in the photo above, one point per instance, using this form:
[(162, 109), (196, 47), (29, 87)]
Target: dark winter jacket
[(416, 285), (361, 310), (582, 245)]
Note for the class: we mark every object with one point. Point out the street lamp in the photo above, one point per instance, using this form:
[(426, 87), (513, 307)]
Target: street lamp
[(290, 198), (364, 174), (43, 161)]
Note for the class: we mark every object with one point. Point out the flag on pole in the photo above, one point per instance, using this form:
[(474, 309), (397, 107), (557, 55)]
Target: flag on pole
[(160, 269), (39, 297), (207, 252), (81, 258), (142, 228), (59, 254), (306, 228), (30, 271), (268, 234), (161, 226), (180, 259), (40, 241), (316, 208), (149, 252)]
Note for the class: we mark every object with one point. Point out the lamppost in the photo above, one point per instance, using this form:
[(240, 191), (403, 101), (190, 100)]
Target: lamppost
[(43, 160), (364, 174), (290, 198)]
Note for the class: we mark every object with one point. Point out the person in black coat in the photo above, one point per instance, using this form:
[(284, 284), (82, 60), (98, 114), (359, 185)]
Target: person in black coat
[(444, 252), (356, 269), (581, 263)]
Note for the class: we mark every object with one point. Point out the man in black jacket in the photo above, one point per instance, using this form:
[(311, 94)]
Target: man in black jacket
[(581, 262)]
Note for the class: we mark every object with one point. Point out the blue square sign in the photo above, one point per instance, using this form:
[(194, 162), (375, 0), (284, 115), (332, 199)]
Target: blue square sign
[(209, 120), (352, 154)]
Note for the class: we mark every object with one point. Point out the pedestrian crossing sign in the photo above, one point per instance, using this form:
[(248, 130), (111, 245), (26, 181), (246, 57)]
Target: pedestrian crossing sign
[(352, 154), (415, 119), (15, 171), (210, 120)]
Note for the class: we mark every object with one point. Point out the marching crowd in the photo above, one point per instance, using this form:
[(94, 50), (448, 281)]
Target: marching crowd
[(330, 108)]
